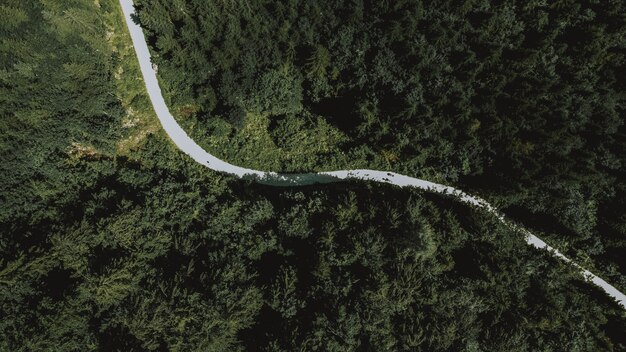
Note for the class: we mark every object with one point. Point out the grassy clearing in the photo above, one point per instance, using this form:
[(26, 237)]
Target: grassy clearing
[(140, 121)]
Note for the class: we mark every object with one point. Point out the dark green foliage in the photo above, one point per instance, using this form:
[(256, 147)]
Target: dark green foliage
[(187, 260), (521, 102), (102, 251)]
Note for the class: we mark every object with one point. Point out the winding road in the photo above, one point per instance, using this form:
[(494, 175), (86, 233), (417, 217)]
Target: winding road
[(191, 148)]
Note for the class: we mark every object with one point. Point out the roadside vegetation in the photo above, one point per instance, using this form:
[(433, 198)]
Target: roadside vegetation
[(112, 240)]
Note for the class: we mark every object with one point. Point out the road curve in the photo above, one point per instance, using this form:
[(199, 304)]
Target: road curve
[(191, 148)]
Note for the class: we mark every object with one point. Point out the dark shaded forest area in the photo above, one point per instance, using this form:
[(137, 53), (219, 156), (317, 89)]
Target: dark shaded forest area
[(111, 247), (521, 102)]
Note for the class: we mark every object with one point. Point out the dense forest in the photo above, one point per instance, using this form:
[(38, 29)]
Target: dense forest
[(522, 102), (112, 240)]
